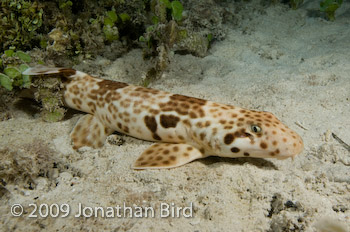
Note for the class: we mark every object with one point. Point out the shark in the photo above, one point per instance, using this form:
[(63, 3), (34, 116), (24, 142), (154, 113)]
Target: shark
[(183, 128)]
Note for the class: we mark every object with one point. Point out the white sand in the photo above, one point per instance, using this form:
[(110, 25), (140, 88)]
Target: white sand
[(285, 62)]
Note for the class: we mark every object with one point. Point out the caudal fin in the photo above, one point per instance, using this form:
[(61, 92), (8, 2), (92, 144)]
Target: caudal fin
[(48, 71)]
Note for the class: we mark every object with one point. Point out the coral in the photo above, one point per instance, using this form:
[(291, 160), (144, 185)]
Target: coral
[(206, 17), (100, 27), (296, 3), (168, 32), (60, 41), (47, 92), (84, 32), (6, 100), (191, 42), (69, 33), (23, 166)]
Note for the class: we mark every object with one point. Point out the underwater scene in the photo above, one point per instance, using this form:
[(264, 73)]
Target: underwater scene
[(175, 115)]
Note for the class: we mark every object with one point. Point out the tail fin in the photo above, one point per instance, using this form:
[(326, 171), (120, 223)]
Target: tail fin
[(66, 73)]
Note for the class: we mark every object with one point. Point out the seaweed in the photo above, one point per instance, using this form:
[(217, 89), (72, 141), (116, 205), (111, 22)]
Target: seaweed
[(112, 21), (329, 7), (296, 3), (165, 34), (45, 90), (20, 21), (68, 35), (12, 64)]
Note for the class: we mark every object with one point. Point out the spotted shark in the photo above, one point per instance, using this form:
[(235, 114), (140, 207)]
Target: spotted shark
[(184, 128)]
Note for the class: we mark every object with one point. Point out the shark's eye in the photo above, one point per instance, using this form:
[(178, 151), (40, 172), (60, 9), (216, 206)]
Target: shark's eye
[(256, 128)]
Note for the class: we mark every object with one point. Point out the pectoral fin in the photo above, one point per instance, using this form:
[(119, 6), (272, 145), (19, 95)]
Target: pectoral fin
[(89, 131), (165, 155)]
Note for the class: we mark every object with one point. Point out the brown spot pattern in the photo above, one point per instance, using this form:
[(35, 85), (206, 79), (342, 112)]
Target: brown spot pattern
[(202, 136), (235, 149), (165, 155), (228, 139), (151, 124), (184, 105), (168, 121), (263, 145), (192, 100), (147, 90), (106, 85)]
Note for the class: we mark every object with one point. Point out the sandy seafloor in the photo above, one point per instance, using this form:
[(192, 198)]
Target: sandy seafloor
[(290, 63)]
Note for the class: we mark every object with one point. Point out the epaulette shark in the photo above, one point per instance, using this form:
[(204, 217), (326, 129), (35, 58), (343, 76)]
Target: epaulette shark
[(184, 128)]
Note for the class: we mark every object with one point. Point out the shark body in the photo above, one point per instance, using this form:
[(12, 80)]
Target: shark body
[(184, 128)]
